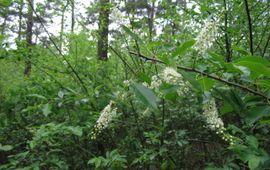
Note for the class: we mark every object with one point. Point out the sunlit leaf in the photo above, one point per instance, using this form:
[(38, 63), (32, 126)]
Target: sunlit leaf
[(146, 95), (5, 147), (180, 50), (46, 110)]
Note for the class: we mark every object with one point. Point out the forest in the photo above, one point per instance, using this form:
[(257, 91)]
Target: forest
[(134, 84)]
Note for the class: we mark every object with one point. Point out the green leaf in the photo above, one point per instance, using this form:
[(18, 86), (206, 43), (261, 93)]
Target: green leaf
[(240, 50), (135, 37), (264, 83), (169, 91), (226, 108), (254, 59), (257, 69), (76, 130), (254, 162), (46, 110), (233, 99), (183, 48), (190, 77), (206, 83), (252, 141), (5, 147), (217, 60), (5, 3), (144, 77), (37, 96), (146, 95), (254, 114)]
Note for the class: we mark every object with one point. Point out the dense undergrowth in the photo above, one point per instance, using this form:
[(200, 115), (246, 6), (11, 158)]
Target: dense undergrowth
[(182, 108)]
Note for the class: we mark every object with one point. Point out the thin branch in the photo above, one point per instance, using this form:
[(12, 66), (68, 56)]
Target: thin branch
[(59, 50), (227, 41), (233, 84), (266, 45), (249, 27), (123, 60)]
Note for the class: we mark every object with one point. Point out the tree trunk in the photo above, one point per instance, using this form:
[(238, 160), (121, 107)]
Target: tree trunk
[(29, 35), (20, 20), (151, 13), (72, 15), (227, 38), (104, 11)]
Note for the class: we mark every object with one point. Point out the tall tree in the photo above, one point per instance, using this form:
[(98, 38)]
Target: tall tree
[(21, 4), (151, 13), (29, 35), (104, 11), (72, 15)]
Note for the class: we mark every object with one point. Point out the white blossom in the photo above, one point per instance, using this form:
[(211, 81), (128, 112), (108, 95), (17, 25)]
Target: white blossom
[(145, 84), (155, 82), (169, 76), (106, 116), (213, 121), (126, 82), (116, 16), (206, 37)]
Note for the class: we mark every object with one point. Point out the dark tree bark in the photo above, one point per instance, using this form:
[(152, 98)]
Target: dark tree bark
[(72, 15), (104, 11), (29, 35), (151, 13), (227, 38), (249, 27), (20, 20)]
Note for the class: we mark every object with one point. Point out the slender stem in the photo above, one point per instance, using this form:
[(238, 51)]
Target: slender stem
[(59, 50), (163, 121), (266, 45), (249, 27), (227, 41), (123, 60)]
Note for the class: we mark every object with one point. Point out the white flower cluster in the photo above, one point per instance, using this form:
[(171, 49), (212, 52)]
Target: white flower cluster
[(215, 123), (210, 112), (127, 83), (106, 116), (169, 76), (116, 16), (206, 37)]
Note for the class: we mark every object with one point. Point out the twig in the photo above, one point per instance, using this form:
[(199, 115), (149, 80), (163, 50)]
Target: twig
[(123, 60), (227, 41), (266, 45)]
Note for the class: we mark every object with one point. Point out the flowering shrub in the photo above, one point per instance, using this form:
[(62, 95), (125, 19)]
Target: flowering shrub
[(206, 37), (215, 123), (169, 76), (106, 116)]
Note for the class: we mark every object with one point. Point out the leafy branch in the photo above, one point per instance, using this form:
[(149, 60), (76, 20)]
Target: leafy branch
[(229, 83)]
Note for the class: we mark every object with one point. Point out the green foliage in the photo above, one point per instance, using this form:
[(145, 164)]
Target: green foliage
[(145, 95), (48, 119), (5, 147), (113, 161)]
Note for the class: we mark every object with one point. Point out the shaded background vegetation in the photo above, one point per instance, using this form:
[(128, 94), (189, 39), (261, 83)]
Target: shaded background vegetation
[(54, 87)]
